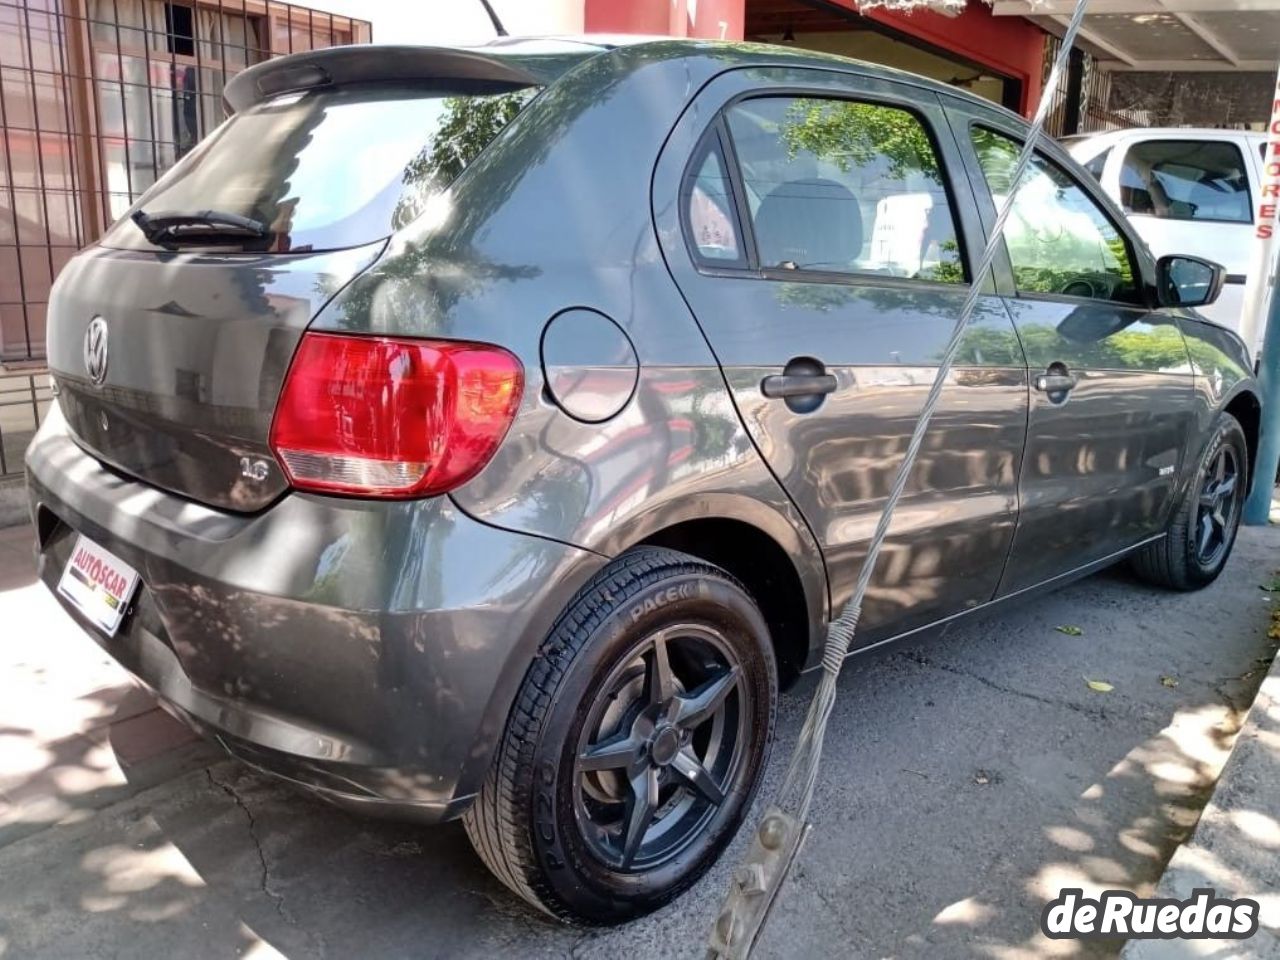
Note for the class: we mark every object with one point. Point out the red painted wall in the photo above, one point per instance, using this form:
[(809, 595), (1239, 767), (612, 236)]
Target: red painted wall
[(1008, 45), (711, 19), (626, 16)]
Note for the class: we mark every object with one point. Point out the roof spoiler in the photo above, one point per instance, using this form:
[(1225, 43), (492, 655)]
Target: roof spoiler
[(354, 64)]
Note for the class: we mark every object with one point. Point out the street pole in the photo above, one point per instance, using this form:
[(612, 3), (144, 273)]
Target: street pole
[(1257, 509)]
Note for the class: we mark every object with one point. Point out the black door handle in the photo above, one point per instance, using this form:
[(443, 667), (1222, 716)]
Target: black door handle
[(780, 386), (1056, 382), (803, 384)]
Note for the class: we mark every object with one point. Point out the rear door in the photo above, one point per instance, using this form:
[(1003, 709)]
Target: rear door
[(1112, 394), (812, 223)]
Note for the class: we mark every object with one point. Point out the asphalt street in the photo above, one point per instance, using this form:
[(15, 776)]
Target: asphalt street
[(967, 779)]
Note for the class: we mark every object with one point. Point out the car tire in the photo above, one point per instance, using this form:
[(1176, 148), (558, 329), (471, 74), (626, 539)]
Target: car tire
[(1202, 529), (594, 809)]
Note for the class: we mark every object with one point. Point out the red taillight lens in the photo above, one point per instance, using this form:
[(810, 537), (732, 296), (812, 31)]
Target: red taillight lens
[(392, 418)]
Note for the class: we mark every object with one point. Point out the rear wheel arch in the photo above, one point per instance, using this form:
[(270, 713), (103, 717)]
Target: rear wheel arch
[(765, 569)]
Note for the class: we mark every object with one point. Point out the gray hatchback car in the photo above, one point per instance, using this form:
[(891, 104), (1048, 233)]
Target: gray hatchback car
[(489, 433)]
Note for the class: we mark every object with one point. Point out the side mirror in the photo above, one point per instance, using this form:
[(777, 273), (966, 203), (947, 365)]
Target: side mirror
[(1188, 281)]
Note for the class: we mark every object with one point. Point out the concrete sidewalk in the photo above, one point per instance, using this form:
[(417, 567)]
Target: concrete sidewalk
[(71, 720), (966, 781), (1235, 849)]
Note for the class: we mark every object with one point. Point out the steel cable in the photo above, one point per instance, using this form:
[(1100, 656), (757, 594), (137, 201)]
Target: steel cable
[(735, 934)]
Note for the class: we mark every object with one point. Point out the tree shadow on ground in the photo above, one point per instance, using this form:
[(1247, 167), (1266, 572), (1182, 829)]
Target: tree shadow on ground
[(967, 779)]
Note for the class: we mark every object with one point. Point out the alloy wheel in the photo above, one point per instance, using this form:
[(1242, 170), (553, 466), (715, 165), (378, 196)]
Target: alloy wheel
[(663, 743), (1221, 493)]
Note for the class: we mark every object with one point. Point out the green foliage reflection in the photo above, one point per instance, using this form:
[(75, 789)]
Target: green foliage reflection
[(1058, 240), (852, 134)]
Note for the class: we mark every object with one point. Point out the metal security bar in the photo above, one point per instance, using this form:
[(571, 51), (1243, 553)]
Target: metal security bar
[(1081, 105), (98, 98), (24, 399)]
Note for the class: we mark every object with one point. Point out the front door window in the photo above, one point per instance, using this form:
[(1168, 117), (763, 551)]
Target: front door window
[(1059, 240)]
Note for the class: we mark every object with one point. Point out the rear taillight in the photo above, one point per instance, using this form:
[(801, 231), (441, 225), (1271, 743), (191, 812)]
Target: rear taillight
[(382, 417)]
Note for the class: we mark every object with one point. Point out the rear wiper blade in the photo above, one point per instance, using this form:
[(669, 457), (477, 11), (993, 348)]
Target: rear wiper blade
[(212, 225)]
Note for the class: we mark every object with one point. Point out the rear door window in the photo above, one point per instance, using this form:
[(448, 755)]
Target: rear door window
[(841, 186), (1186, 180), (336, 167)]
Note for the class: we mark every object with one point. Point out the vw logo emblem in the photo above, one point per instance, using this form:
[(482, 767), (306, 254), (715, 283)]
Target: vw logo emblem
[(95, 350)]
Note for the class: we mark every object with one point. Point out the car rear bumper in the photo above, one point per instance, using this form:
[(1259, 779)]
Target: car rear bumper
[(368, 652)]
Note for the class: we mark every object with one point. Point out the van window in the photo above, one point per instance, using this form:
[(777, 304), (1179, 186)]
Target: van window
[(1098, 164), (335, 167), (839, 186), (1186, 180)]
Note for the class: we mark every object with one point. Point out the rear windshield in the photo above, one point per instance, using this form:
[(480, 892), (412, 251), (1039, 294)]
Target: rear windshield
[(331, 168)]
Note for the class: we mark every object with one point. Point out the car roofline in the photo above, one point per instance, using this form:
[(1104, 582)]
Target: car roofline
[(1170, 132), (526, 61), (601, 41)]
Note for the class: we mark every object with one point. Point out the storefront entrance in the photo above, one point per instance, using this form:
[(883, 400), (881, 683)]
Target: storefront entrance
[(926, 43)]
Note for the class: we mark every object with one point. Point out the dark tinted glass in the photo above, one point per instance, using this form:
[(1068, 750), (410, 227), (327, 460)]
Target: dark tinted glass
[(332, 168), (712, 221), (1098, 164), (1186, 180), (846, 187)]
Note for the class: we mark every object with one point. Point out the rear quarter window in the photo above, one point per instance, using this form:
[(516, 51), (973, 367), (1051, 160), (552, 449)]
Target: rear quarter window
[(336, 167), (711, 219)]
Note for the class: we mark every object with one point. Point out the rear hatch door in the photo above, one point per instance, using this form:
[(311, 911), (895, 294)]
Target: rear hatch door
[(194, 353), (169, 341)]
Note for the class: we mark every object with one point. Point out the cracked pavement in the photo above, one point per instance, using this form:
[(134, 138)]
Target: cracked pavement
[(967, 778), (274, 896)]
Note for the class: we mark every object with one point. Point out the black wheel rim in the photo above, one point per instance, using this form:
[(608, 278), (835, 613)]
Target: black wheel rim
[(663, 743), (1220, 493)]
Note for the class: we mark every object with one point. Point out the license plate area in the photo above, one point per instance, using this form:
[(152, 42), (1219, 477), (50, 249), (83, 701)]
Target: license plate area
[(98, 584)]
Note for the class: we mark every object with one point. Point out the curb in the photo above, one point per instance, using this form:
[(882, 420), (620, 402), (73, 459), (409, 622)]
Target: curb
[(13, 502), (1235, 848)]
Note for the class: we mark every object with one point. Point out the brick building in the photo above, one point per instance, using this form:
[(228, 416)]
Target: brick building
[(98, 98)]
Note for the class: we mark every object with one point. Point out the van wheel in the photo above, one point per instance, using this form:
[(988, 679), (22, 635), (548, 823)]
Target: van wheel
[(1203, 528), (636, 743)]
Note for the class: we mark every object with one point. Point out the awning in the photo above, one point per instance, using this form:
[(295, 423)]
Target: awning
[(1159, 36)]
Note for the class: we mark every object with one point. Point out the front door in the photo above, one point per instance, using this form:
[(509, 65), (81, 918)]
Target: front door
[(813, 226), (1111, 397)]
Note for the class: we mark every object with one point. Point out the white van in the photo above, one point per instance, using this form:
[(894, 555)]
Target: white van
[(1185, 191)]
